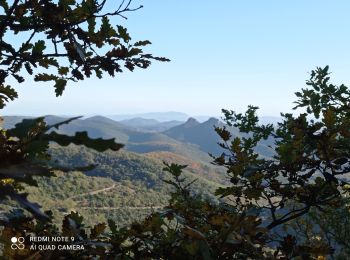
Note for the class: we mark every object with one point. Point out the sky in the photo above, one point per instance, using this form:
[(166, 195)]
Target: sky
[(224, 54)]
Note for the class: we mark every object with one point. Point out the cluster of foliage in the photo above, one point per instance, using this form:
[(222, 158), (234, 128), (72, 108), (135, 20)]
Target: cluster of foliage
[(305, 178), (330, 226), (312, 154), (272, 204), (310, 166), (79, 40), (188, 228), (68, 35)]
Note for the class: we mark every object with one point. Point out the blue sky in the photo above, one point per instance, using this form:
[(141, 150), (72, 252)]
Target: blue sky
[(224, 54)]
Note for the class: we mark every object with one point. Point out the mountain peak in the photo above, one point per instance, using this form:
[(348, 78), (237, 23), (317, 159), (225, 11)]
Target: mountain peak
[(191, 122), (212, 121), (97, 118)]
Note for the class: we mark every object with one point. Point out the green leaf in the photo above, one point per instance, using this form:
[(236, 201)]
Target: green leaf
[(46, 62), (22, 129), (174, 169), (19, 79), (77, 74), (26, 47), (28, 68), (97, 230), (123, 33), (81, 138), (223, 133), (98, 73), (134, 51), (60, 86), (73, 225), (44, 77), (142, 43), (38, 48), (106, 28), (63, 71), (6, 93), (92, 24)]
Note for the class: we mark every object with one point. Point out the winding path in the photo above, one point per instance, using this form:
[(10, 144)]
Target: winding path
[(111, 208), (123, 207), (93, 192)]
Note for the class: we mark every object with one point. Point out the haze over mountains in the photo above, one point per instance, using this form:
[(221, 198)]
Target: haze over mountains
[(179, 116), (159, 116), (149, 125), (143, 135)]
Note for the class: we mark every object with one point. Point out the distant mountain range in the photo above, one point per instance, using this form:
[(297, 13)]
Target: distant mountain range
[(179, 116), (129, 182), (159, 116), (201, 134), (190, 138), (204, 135), (149, 125), (135, 139)]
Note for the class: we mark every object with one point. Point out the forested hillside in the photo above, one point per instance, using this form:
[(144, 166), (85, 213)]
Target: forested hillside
[(128, 185), (124, 186)]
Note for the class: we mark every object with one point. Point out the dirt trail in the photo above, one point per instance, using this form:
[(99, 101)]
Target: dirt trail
[(111, 208), (124, 207), (93, 192)]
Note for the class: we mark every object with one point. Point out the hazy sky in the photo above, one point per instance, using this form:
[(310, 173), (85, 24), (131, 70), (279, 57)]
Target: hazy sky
[(224, 54)]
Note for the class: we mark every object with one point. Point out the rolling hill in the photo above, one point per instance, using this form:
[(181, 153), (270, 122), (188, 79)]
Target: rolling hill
[(128, 184), (204, 136), (124, 186), (191, 138), (135, 140), (201, 134)]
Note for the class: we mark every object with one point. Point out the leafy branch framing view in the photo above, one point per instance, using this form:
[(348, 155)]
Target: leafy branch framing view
[(281, 207)]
